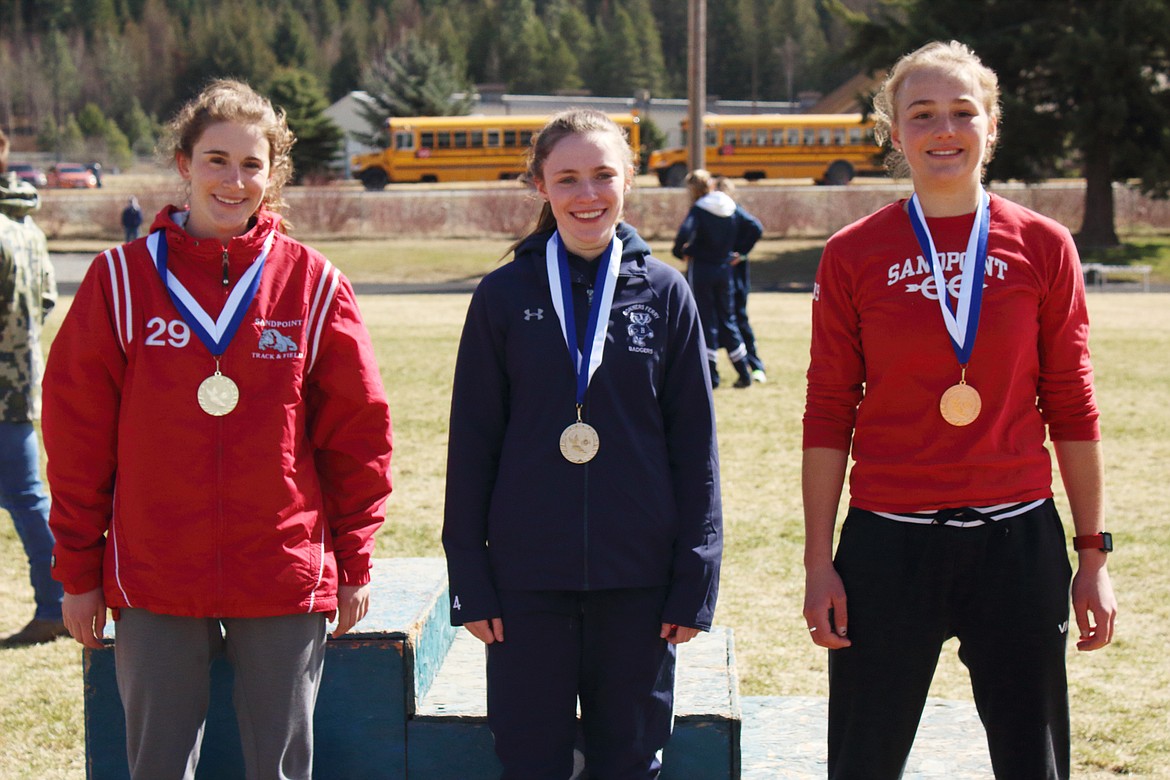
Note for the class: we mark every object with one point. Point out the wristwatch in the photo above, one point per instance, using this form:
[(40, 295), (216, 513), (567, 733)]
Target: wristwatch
[(1102, 541)]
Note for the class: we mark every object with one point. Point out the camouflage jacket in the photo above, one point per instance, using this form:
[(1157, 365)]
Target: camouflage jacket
[(28, 291)]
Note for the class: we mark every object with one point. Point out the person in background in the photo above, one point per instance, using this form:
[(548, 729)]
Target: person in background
[(28, 292), (747, 233), (706, 241), (132, 218), (219, 448), (583, 519), (949, 335)]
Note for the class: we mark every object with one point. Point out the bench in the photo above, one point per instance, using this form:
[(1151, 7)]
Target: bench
[(1099, 274)]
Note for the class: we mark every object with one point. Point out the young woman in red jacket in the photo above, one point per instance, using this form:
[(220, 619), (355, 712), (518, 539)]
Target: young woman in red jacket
[(951, 528), (219, 449)]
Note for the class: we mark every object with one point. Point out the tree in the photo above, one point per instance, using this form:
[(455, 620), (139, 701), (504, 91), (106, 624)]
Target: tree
[(1089, 77), (304, 103), (410, 80)]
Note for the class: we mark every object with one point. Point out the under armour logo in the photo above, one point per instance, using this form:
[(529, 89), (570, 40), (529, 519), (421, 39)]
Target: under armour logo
[(529, 314), (455, 605)]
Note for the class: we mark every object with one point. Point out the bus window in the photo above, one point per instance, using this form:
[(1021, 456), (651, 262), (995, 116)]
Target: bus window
[(426, 140), (855, 136), (476, 139), (710, 136), (777, 137), (730, 138), (745, 137), (762, 137), (444, 138), (810, 136), (403, 139), (794, 136), (839, 136), (509, 138), (826, 137), (526, 137), (493, 138), (460, 139)]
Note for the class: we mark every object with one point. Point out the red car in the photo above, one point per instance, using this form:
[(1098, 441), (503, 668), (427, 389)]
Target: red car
[(29, 173), (71, 176)]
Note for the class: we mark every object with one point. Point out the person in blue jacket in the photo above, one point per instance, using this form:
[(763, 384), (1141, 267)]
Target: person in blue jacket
[(706, 241), (747, 232), (583, 519)]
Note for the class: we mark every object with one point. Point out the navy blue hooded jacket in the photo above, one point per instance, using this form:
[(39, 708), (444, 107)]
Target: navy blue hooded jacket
[(708, 233), (646, 511)]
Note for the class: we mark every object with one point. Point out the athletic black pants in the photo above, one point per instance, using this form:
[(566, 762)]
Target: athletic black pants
[(1002, 590), (602, 646)]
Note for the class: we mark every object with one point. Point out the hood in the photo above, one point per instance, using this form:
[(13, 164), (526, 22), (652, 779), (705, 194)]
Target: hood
[(172, 219), (718, 203), (18, 198), (634, 248)]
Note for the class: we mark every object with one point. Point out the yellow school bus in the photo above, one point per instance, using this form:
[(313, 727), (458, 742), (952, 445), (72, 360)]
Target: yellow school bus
[(459, 148), (830, 148)]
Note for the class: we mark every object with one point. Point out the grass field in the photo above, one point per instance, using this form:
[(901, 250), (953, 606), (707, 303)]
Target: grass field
[(1120, 696)]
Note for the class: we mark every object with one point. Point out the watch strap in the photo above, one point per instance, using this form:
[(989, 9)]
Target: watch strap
[(1102, 541)]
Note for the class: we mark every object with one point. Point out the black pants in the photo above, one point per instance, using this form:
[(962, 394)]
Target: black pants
[(1002, 590), (741, 285), (602, 646)]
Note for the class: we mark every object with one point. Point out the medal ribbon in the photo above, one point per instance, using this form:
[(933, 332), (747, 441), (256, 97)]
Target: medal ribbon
[(215, 334), (964, 322), (561, 288)]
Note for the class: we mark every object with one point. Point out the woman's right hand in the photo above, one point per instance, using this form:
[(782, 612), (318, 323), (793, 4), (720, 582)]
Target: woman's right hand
[(84, 615), (487, 631), (825, 611)]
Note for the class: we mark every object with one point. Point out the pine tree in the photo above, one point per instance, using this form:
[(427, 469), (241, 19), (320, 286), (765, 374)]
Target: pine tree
[(318, 138), (410, 80)]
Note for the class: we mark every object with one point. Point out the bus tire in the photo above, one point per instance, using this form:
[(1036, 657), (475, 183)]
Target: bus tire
[(839, 173), (374, 179), (754, 175), (674, 176)]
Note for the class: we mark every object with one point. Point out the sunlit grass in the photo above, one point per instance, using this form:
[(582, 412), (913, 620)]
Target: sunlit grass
[(1117, 694)]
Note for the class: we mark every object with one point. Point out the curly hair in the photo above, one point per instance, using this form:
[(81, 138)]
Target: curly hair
[(228, 100), (953, 58)]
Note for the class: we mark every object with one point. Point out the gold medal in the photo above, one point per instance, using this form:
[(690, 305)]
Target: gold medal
[(218, 394), (579, 442), (960, 404)]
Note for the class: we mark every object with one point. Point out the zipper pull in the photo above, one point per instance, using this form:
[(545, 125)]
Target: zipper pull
[(225, 267)]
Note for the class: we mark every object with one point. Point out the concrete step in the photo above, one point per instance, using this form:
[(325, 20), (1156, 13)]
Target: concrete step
[(449, 737), (784, 739)]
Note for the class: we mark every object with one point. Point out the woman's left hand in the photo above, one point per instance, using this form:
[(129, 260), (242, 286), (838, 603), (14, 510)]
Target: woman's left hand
[(353, 602), (676, 634)]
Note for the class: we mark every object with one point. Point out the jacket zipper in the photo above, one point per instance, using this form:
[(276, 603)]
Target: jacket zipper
[(225, 267), (585, 523)]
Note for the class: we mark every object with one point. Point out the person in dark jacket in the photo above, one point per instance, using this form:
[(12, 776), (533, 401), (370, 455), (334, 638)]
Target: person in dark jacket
[(747, 232), (132, 219), (583, 519), (706, 241)]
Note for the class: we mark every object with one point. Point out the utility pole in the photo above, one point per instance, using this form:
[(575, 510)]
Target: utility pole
[(696, 82)]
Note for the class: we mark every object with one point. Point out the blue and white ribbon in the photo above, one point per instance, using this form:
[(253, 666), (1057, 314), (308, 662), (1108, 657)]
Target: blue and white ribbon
[(218, 333), (560, 286), (963, 324)]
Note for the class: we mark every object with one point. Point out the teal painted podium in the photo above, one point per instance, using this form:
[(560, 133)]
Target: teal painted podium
[(368, 689), (403, 696)]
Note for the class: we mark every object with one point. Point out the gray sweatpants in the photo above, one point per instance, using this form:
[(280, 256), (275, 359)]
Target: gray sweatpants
[(163, 676)]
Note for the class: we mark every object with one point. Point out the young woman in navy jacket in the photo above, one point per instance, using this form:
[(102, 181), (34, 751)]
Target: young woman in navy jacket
[(583, 519)]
